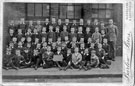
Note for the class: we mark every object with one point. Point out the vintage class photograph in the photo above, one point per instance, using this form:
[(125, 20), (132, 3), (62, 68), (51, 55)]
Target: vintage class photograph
[(62, 42)]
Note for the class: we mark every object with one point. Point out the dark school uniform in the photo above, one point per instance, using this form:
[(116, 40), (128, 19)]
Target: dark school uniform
[(18, 61), (67, 58), (86, 36), (80, 35), (68, 26), (71, 35), (51, 35), (93, 27), (47, 26), (106, 47), (75, 26), (7, 60), (60, 26), (63, 34), (54, 49), (57, 34), (47, 59), (44, 34), (88, 44)]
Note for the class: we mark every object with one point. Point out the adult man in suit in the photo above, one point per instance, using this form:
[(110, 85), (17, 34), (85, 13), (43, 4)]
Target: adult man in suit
[(112, 33)]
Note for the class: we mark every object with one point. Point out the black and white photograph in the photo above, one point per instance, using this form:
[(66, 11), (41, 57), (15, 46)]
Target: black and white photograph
[(48, 42)]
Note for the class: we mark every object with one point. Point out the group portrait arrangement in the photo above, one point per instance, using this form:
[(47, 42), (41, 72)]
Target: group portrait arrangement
[(65, 45)]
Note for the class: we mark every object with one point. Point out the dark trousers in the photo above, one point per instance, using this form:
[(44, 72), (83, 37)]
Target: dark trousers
[(112, 49), (48, 64)]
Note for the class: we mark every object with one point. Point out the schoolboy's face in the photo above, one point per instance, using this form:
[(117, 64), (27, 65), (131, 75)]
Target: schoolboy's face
[(59, 21), (54, 44), (45, 44), (50, 28), (47, 20), (80, 29), (66, 38), (92, 54), (99, 46), (20, 44), (82, 39), (17, 52), (30, 22), (105, 40), (35, 30), (96, 29), (38, 45), (50, 40), (64, 28), (87, 29), (8, 52), (92, 45), (82, 45), (59, 49), (48, 48), (102, 31), (26, 50), (89, 39), (11, 31), (28, 39), (44, 29), (19, 30), (11, 44), (72, 29), (29, 30), (86, 51), (57, 29), (38, 22), (36, 40), (59, 39), (67, 21), (74, 39), (28, 45), (14, 39), (88, 21), (43, 39), (23, 39), (76, 50)]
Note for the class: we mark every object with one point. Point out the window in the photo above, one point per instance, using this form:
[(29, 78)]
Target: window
[(71, 11), (101, 11), (38, 10)]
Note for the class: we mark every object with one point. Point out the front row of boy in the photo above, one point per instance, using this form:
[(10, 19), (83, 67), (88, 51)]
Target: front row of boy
[(90, 58)]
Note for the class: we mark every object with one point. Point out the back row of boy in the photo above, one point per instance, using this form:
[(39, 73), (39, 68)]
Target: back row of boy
[(74, 35)]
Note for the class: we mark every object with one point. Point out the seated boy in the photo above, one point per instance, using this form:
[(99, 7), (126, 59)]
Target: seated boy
[(67, 59), (47, 58), (76, 58), (94, 62), (7, 59), (100, 52), (36, 58), (18, 60), (59, 63)]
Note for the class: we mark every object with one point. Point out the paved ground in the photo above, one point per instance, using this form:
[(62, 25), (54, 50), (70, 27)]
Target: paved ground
[(114, 74)]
